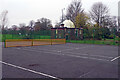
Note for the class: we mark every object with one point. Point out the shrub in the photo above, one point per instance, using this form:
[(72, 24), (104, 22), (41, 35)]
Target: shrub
[(111, 36)]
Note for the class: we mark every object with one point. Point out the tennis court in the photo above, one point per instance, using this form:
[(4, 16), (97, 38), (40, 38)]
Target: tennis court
[(60, 61)]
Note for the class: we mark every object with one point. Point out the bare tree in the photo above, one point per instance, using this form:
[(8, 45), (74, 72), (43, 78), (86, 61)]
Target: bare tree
[(119, 23), (98, 13), (57, 24), (22, 25), (62, 18), (73, 10), (14, 27), (44, 23), (3, 19), (31, 23), (110, 21), (22, 28)]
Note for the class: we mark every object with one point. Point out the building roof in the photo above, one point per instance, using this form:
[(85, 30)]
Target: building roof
[(69, 24)]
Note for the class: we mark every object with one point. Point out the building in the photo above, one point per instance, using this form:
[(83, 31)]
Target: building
[(67, 33)]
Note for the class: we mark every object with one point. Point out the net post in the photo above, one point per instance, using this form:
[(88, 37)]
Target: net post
[(51, 34), (65, 41), (93, 35), (114, 37), (51, 41), (32, 42)]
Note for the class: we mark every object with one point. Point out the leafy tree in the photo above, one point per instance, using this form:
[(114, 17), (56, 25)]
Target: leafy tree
[(81, 20), (86, 33), (113, 30), (97, 33), (105, 32), (101, 33)]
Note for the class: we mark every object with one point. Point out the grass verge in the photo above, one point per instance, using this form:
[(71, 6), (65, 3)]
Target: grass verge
[(104, 42)]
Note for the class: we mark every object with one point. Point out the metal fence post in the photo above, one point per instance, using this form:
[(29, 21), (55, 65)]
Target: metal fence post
[(114, 37), (93, 34)]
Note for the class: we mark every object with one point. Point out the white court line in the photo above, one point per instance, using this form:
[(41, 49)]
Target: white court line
[(69, 55), (91, 55), (50, 50), (82, 76), (70, 48), (66, 49), (88, 58), (76, 48), (42, 49), (115, 58), (73, 53), (29, 70)]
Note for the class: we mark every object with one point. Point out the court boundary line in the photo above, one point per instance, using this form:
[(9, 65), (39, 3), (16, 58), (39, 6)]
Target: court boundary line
[(92, 55), (74, 53), (30, 70), (76, 48), (82, 76), (115, 58)]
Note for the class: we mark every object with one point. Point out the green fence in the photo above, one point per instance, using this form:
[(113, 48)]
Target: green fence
[(98, 36), (85, 36), (43, 34)]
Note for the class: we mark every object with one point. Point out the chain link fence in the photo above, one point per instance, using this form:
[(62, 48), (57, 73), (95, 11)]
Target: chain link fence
[(98, 36), (41, 34), (75, 35)]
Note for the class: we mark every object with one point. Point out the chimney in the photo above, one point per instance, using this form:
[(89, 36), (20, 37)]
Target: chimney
[(62, 25)]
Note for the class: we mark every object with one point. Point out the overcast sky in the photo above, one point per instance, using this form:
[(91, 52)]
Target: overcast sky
[(22, 11)]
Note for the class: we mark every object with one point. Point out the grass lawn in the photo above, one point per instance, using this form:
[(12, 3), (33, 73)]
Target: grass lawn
[(105, 42)]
